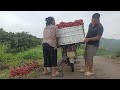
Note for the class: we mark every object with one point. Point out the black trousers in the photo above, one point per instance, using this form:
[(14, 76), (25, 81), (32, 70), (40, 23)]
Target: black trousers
[(50, 55)]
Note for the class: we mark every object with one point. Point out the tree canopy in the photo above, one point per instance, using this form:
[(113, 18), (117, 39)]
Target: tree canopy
[(18, 42)]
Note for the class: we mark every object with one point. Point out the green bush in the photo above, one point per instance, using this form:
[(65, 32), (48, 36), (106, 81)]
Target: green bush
[(34, 53), (102, 52), (4, 74), (80, 51), (14, 59), (3, 48), (118, 54), (5, 57), (18, 42), (59, 54)]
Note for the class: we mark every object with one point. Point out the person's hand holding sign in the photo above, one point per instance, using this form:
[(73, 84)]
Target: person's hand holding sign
[(86, 40)]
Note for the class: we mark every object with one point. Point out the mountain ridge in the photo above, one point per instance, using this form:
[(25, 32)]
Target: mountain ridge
[(110, 44)]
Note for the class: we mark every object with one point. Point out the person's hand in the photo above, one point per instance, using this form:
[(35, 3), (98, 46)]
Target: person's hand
[(86, 40)]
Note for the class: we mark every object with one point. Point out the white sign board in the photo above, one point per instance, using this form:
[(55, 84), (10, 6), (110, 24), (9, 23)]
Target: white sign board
[(70, 35)]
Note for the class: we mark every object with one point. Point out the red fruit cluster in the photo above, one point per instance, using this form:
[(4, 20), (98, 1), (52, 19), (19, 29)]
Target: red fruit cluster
[(24, 69), (70, 24)]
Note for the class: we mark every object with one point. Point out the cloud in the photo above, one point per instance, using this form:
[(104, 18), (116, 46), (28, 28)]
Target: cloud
[(11, 22), (34, 21)]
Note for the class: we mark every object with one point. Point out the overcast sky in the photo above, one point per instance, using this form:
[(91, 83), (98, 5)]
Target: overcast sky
[(34, 21)]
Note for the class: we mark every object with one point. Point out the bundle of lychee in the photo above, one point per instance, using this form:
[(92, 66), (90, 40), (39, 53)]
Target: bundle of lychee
[(70, 24), (23, 70)]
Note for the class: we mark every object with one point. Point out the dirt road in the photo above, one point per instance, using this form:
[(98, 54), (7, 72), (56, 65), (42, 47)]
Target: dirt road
[(104, 69)]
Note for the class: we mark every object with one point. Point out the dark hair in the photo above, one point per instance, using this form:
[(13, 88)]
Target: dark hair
[(49, 20), (96, 16)]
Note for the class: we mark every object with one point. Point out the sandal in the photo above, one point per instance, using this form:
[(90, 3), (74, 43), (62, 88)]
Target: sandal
[(57, 75), (88, 73)]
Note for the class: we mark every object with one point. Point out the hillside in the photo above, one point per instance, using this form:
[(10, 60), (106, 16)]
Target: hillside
[(110, 44)]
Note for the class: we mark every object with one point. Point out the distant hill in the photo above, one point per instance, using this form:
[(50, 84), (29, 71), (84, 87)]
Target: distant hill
[(110, 44)]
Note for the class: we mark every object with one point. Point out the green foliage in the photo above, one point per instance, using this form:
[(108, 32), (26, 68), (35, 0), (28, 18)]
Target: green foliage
[(14, 59), (34, 53), (59, 54), (18, 42), (118, 54), (102, 52), (80, 51), (32, 74), (4, 74), (3, 48), (5, 57)]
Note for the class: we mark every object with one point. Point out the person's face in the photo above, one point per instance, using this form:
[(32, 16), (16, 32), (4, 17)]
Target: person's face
[(94, 21)]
